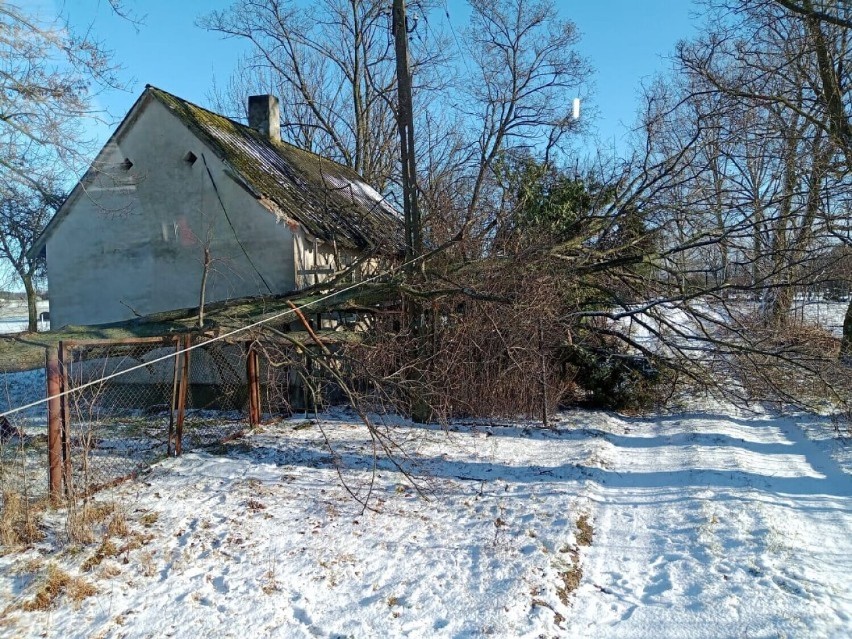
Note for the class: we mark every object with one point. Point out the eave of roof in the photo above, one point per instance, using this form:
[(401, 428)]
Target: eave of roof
[(79, 188)]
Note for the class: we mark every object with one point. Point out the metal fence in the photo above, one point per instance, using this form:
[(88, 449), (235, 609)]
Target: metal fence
[(128, 403), (117, 406), (290, 380), (23, 438)]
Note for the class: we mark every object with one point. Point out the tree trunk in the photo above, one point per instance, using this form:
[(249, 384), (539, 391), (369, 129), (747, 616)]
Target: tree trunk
[(846, 343), (777, 311), (203, 292), (32, 309)]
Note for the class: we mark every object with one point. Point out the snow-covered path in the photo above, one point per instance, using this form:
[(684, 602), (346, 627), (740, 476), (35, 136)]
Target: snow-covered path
[(701, 525), (716, 527)]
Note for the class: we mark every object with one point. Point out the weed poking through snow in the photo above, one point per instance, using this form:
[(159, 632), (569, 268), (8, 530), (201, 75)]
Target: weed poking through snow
[(570, 580), (55, 583), (585, 533), (20, 521)]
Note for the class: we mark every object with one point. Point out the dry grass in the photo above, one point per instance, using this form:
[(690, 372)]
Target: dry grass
[(808, 374), (79, 589), (110, 570), (149, 519), (134, 542), (117, 526), (96, 512), (79, 532), (29, 566), (106, 549), (147, 565), (56, 582), (81, 522), (20, 521), (570, 579), (11, 513), (586, 533), (269, 584)]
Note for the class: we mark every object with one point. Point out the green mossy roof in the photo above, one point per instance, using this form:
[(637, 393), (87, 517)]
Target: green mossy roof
[(330, 200)]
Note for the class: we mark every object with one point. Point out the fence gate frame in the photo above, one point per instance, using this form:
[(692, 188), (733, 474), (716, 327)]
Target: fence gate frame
[(59, 390)]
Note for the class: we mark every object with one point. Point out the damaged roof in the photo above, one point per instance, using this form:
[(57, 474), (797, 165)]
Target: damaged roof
[(329, 200)]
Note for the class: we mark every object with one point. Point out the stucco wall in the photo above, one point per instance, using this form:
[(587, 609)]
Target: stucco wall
[(134, 241)]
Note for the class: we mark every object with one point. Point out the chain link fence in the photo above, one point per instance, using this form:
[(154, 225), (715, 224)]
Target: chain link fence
[(291, 380), (130, 403), (23, 438), (121, 405)]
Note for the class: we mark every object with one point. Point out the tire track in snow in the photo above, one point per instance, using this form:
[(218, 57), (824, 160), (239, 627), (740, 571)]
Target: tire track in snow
[(696, 537)]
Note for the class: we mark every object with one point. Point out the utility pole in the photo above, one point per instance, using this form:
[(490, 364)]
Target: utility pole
[(420, 410), (405, 122)]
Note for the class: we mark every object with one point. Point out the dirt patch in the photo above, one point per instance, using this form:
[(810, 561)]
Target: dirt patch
[(570, 575)]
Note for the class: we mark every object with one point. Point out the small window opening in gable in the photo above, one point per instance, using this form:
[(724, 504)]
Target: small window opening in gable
[(126, 165), (190, 158)]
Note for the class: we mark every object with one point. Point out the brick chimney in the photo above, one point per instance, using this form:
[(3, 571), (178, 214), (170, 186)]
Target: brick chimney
[(264, 116)]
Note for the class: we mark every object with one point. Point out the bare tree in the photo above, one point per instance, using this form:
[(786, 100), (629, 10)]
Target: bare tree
[(332, 64), (790, 60), (525, 72), (47, 75), (24, 212)]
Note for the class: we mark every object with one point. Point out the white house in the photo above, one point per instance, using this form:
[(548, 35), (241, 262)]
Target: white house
[(181, 197)]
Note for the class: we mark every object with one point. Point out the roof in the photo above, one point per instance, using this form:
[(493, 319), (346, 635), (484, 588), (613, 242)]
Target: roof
[(329, 200)]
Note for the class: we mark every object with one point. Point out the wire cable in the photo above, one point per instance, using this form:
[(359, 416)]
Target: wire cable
[(231, 224)]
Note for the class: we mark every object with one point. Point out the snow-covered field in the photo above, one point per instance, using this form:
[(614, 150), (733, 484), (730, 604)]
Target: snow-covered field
[(823, 313), (13, 316), (707, 524), (671, 318)]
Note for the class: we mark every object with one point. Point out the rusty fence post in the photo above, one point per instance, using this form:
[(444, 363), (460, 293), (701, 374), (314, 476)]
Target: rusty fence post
[(170, 445), (253, 386), (183, 386), (65, 410), (55, 426)]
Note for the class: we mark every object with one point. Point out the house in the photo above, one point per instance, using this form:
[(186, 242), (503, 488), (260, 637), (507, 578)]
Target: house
[(184, 205)]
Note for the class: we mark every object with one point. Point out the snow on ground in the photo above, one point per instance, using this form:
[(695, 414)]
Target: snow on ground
[(718, 526), (707, 524), (680, 326), (19, 324), (18, 389), (823, 313), (13, 316)]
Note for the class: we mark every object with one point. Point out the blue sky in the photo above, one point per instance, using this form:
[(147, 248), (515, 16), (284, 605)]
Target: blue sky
[(626, 41)]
